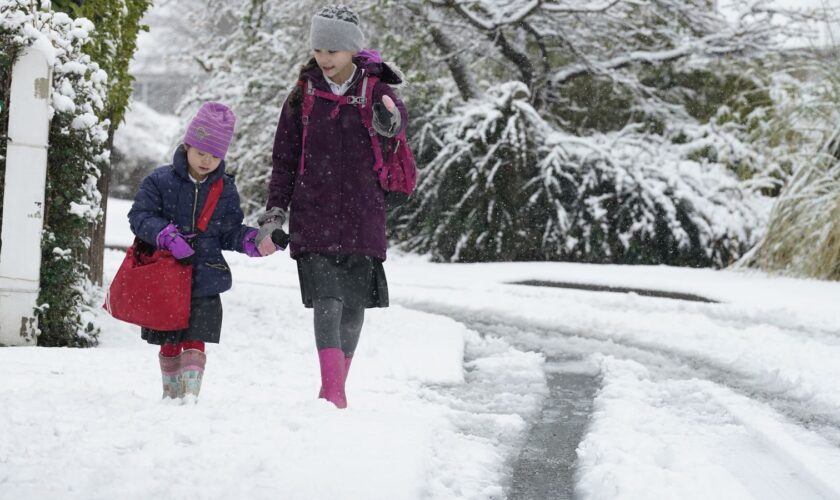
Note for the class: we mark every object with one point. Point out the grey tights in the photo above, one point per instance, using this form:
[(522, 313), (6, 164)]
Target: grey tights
[(336, 325)]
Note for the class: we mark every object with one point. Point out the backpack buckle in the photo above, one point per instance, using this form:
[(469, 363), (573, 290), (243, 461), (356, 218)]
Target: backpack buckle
[(310, 89), (357, 100), (305, 120)]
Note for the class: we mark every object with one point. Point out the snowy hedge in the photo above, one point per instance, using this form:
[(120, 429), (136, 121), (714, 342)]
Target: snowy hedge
[(77, 151), (502, 183)]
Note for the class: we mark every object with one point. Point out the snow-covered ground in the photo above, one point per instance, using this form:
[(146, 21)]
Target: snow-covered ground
[(697, 400)]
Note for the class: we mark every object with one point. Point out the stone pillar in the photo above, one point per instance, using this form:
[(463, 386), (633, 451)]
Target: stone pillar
[(23, 198)]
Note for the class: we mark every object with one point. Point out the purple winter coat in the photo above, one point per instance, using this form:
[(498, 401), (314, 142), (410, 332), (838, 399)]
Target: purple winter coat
[(337, 206)]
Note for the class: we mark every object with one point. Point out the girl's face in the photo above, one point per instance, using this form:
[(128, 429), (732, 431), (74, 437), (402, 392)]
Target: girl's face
[(336, 64), (201, 163)]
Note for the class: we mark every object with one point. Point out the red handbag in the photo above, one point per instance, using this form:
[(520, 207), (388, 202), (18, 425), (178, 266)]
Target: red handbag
[(153, 290)]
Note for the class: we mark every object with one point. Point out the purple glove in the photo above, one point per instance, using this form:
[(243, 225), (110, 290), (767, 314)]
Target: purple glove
[(251, 249), (171, 239)]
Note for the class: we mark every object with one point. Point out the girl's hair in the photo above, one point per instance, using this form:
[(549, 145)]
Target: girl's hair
[(296, 97)]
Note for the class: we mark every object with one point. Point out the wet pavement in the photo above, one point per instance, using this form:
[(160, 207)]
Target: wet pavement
[(545, 468), (546, 465), (644, 292)]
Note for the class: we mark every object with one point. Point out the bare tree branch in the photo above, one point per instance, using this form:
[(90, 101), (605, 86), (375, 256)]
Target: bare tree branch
[(518, 57), (460, 72)]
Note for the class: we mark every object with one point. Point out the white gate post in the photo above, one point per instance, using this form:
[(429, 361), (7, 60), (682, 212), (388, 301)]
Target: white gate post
[(23, 198)]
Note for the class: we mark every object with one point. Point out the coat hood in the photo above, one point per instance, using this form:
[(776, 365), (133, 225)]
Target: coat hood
[(368, 60)]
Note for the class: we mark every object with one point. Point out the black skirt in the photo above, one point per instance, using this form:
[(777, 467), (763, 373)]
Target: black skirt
[(205, 324), (357, 280)]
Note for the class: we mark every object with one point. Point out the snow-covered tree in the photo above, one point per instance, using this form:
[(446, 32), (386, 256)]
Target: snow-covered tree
[(143, 142), (645, 150), (506, 184), (77, 151), (611, 131)]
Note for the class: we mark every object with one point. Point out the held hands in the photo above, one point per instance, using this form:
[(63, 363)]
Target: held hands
[(251, 249), (171, 239), (270, 221)]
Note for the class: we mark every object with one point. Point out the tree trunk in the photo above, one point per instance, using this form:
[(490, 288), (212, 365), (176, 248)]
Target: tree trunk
[(96, 252), (518, 57), (460, 72)]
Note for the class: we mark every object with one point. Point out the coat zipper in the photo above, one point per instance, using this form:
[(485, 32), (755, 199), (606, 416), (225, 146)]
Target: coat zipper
[(195, 205)]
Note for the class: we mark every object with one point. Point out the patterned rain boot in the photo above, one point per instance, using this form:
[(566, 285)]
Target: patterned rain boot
[(332, 376), (169, 368), (192, 371)]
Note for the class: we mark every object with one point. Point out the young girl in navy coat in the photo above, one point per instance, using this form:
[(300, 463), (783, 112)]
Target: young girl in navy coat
[(164, 214), (323, 173)]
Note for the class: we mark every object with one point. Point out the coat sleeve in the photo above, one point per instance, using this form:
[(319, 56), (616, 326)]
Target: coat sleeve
[(146, 214), (233, 230), (383, 89), (285, 158)]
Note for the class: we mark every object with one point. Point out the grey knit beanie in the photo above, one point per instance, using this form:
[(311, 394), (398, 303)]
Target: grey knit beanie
[(336, 27)]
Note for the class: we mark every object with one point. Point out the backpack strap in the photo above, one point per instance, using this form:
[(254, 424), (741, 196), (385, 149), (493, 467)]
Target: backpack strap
[(365, 103), (366, 110), (210, 205), (309, 95)]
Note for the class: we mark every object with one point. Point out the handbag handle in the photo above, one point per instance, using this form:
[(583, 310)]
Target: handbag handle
[(210, 204)]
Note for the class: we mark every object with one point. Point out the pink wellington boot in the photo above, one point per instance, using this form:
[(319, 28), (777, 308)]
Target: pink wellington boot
[(332, 376), (347, 362)]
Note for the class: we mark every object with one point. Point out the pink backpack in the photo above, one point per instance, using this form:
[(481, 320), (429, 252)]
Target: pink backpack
[(398, 170)]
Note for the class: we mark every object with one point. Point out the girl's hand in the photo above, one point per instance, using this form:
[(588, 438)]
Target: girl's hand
[(386, 117), (253, 248), (389, 103), (266, 247)]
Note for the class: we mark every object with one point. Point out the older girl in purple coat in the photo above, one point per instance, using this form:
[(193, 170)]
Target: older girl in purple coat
[(326, 180), (164, 215)]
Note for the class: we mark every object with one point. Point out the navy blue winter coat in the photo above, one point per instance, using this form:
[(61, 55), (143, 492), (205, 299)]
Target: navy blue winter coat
[(169, 195)]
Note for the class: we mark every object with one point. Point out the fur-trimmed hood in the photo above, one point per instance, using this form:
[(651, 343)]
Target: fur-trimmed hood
[(369, 60), (387, 72)]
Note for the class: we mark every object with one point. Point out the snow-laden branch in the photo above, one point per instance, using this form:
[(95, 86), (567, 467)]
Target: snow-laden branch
[(561, 9), (702, 46), (531, 7)]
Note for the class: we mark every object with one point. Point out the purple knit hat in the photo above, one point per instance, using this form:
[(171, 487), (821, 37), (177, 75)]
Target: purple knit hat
[(212, 129)]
